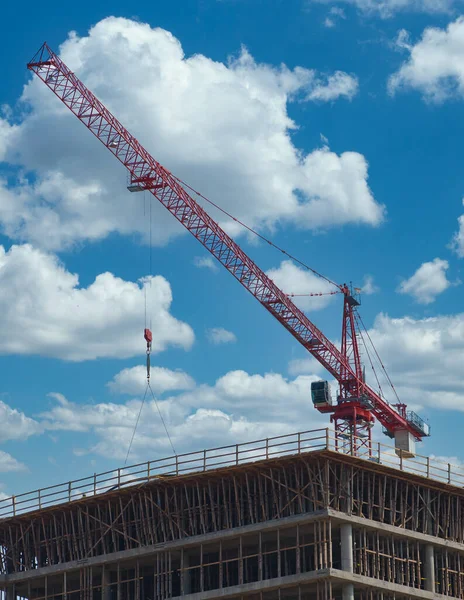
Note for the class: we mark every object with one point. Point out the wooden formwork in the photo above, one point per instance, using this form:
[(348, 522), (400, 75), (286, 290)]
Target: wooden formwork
[(54, 544)]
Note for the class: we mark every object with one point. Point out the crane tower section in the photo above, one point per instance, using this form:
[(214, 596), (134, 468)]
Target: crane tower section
[(357, 405)]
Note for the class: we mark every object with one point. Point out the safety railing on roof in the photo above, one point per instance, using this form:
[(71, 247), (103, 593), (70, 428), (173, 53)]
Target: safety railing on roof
[(228, 456)]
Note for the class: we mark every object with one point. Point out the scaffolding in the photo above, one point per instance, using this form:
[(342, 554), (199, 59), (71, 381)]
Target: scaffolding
[(267, 524)]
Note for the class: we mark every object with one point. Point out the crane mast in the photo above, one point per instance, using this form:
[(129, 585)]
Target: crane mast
[(358, 405)]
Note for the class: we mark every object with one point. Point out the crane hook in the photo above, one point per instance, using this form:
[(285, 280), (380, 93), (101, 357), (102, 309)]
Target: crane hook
[(148, 338)]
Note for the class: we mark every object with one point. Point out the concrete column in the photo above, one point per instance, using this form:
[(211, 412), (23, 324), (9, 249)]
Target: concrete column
[(348, 591), (186, 586), (346, 536), (429, 568), (106, 580), (10, 593)]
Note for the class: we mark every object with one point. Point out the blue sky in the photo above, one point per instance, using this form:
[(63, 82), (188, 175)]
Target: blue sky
[(332, 127)]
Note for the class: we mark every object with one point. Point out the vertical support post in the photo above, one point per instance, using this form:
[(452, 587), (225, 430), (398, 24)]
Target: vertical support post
[(429, 568), (106, 582), (346, 536)]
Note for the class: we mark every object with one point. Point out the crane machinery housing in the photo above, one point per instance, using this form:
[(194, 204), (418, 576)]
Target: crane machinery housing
[(357, 405)]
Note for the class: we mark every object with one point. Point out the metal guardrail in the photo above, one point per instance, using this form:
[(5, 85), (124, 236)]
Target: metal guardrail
[(226, 456)]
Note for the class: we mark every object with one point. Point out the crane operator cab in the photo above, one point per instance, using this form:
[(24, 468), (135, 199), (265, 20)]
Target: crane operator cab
[(321, 394)]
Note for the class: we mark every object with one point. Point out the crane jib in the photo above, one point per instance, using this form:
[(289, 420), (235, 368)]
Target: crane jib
[(147, 173)]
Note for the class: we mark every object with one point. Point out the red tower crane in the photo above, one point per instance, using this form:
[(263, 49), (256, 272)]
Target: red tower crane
[(357, 405)]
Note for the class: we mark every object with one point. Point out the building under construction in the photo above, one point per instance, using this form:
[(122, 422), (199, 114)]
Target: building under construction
[(318, 515), (294, 517)]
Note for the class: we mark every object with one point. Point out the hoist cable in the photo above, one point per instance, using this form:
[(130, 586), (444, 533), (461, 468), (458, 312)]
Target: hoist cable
[(161, 417), (136, 423)]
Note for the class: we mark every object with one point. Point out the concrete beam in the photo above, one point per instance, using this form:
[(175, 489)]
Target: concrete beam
[(423, 538), (336, 576), (361, 581), (126, 555)]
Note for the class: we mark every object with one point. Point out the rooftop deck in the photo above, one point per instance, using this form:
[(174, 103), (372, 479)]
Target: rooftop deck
[(226, 456)]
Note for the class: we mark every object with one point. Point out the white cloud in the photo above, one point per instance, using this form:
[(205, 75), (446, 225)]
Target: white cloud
[(44, 311), (387, 8), (334, 86), (423, 358), (457, 243), (296, 280), (224, 128), (206, 262), (133, 381), (428, 282), (219, 335), (335, 13), (9, 464), (239, 407), (14, 425), (368, 287), (435, 66), (304, 366)]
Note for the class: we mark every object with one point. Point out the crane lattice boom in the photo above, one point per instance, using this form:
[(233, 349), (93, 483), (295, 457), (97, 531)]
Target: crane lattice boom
[(148, 174)]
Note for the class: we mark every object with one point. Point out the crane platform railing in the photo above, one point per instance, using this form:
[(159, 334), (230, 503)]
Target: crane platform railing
[(227, 456)]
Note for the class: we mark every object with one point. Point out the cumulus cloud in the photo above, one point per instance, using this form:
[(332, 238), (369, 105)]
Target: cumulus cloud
[(206, 262), (368, 287), (15, 425), (297, 281), (44, 311), (335, 13), (219, 335), (133, 381), (387, 8), (304, 366), (334, 86), (435, 65), (428, 282), (224, 128), (9, 464), (239, 407), (457, 243), (424, 358)]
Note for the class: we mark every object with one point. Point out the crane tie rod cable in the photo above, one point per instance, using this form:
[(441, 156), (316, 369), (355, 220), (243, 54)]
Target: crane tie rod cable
[(379, 359), (251, 230)]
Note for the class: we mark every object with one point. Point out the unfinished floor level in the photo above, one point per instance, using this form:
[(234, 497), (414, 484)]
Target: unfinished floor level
[(312, 523)]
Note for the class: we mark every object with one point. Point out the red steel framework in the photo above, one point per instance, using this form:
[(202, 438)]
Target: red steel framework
[(358, 405)]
